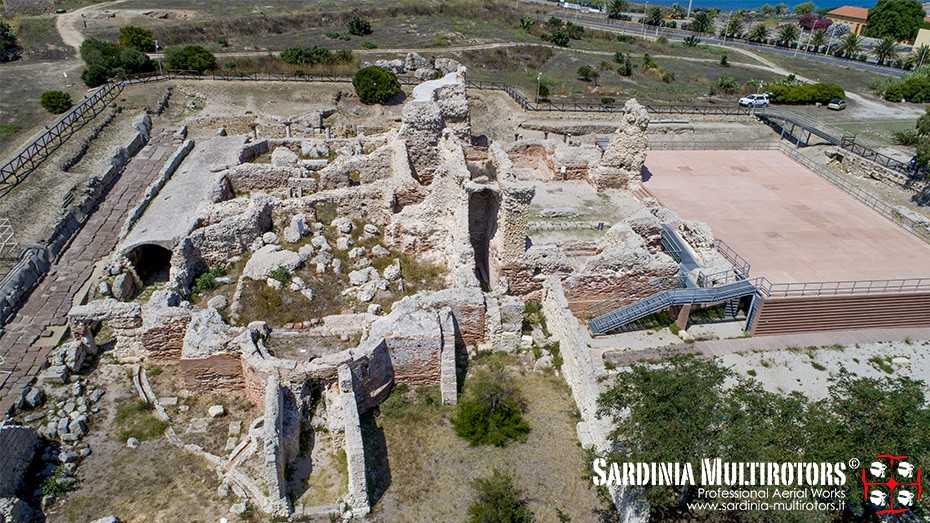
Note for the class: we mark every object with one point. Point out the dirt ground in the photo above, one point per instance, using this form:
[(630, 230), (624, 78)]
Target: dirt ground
[(35, 205), (428, 468)]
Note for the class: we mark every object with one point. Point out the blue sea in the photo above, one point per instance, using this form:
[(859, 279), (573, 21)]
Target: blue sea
[(733, 5)]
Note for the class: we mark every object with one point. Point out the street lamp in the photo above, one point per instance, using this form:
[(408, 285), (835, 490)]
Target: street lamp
[(688, 16), (157, 59), (538, 83), (645, 9)]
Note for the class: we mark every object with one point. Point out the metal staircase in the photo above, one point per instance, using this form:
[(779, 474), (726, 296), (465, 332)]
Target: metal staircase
[(662, 300)]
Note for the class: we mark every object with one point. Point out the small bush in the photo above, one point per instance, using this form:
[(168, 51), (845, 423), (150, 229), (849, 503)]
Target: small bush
[(805, 94), (907, 138), (190, 58), (497, 500), (207, 281), (51, 486), (369, 45), (491, 414), (359, 26), (725, 85), (281, 274), (607, 100), (724, 61), (692, 41), (56, 102), (533, 317), (316, 55), (375, 85)]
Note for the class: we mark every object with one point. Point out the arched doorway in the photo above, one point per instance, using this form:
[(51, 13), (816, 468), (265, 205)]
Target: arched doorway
[(151, 262)]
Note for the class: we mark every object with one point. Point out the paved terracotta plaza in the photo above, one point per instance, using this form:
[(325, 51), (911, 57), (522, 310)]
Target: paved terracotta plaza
[(791, 224)]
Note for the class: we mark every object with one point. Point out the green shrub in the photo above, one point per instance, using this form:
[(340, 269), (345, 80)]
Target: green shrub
[(559, 38), (497, 500), (207, 281), (607, 100), (281, 274), (190, 58), (56, 102), (359, 26), (805, 94), (375, 85), (491, 412), (137, 38), (51, 486), (316, 55), (726, 84), (9, 49), (108, 60), (369, 45), (724, 61)]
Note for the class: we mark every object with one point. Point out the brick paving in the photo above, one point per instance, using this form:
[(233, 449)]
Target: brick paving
[(21, 358)]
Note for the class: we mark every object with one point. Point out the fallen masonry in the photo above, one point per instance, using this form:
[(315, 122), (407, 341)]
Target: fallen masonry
[(386, 259)]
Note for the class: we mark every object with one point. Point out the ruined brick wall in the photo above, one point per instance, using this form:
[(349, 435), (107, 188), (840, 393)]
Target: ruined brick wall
[(163, 332), (17, 446), (250, 177), (219, 372), (584, 291)]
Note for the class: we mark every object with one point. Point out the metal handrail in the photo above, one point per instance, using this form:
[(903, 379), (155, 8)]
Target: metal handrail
[(740, 264), (841, 287)]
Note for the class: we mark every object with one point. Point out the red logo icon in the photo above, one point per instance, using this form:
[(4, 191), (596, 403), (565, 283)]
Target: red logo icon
[(894, 486)]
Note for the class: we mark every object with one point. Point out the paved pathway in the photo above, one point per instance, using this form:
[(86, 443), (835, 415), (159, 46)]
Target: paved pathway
[(767, 343), (23, 349)]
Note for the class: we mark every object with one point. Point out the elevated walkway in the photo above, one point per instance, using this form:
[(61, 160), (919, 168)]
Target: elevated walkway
[(663, 300)]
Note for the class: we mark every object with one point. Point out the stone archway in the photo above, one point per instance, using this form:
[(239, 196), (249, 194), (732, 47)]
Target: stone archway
[(151, 262)]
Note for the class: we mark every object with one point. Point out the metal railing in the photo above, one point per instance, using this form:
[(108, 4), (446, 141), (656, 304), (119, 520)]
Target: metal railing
[(710, 145), (877, 205), (840, 288), (27, 159), (740, 264)]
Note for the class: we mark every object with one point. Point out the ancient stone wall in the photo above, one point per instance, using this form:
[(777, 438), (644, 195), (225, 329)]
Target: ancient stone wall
[(220, 372), (18, 445), (357, 496), (272, 452), (581, 376), (622, 163)]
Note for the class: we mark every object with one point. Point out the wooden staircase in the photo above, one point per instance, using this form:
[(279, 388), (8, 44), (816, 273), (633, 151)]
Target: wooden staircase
[(827, 313)]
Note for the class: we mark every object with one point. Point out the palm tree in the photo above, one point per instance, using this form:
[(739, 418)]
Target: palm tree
[(734, 26), (617, 7), (851, 45), (788, 34), (676, 11), (887, 49), (919, 56), (758, 32), (703, 22), (818, 39)]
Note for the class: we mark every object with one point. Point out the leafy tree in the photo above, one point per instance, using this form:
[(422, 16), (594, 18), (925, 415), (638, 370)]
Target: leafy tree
[(923, 123), (654, 16), (851, 45), (758, 33), (555, 23), (56, 102), (574, 31), (703, 22), (923, 152), (627, 68), (94, 75), (375, 85), (804, 8), (359, 26), (137, 38), (497, 500), (9, 50), (788, 34), (190, 58), (807, 20), (897, 19), (616, 8), (886, 50), (491, 414)]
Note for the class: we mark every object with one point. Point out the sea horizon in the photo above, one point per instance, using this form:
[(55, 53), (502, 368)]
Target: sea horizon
[(733, 5)]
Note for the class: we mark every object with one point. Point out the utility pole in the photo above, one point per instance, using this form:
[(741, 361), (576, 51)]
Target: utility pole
[(688, 16), (538, 83)]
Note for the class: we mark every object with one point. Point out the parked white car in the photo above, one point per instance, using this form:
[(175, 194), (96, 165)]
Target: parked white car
[(754, 100)]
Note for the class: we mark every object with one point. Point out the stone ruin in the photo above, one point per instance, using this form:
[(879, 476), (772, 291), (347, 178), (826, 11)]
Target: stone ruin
[(427, 190)]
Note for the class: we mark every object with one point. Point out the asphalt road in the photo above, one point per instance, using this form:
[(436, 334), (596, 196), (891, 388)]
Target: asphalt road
[(632, 28)]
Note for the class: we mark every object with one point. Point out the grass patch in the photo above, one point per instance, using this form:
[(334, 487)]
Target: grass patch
[(52, 487), (818, 366), (207, 281), (8, 130), (135, 420), (882, 364), (534, 317)]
